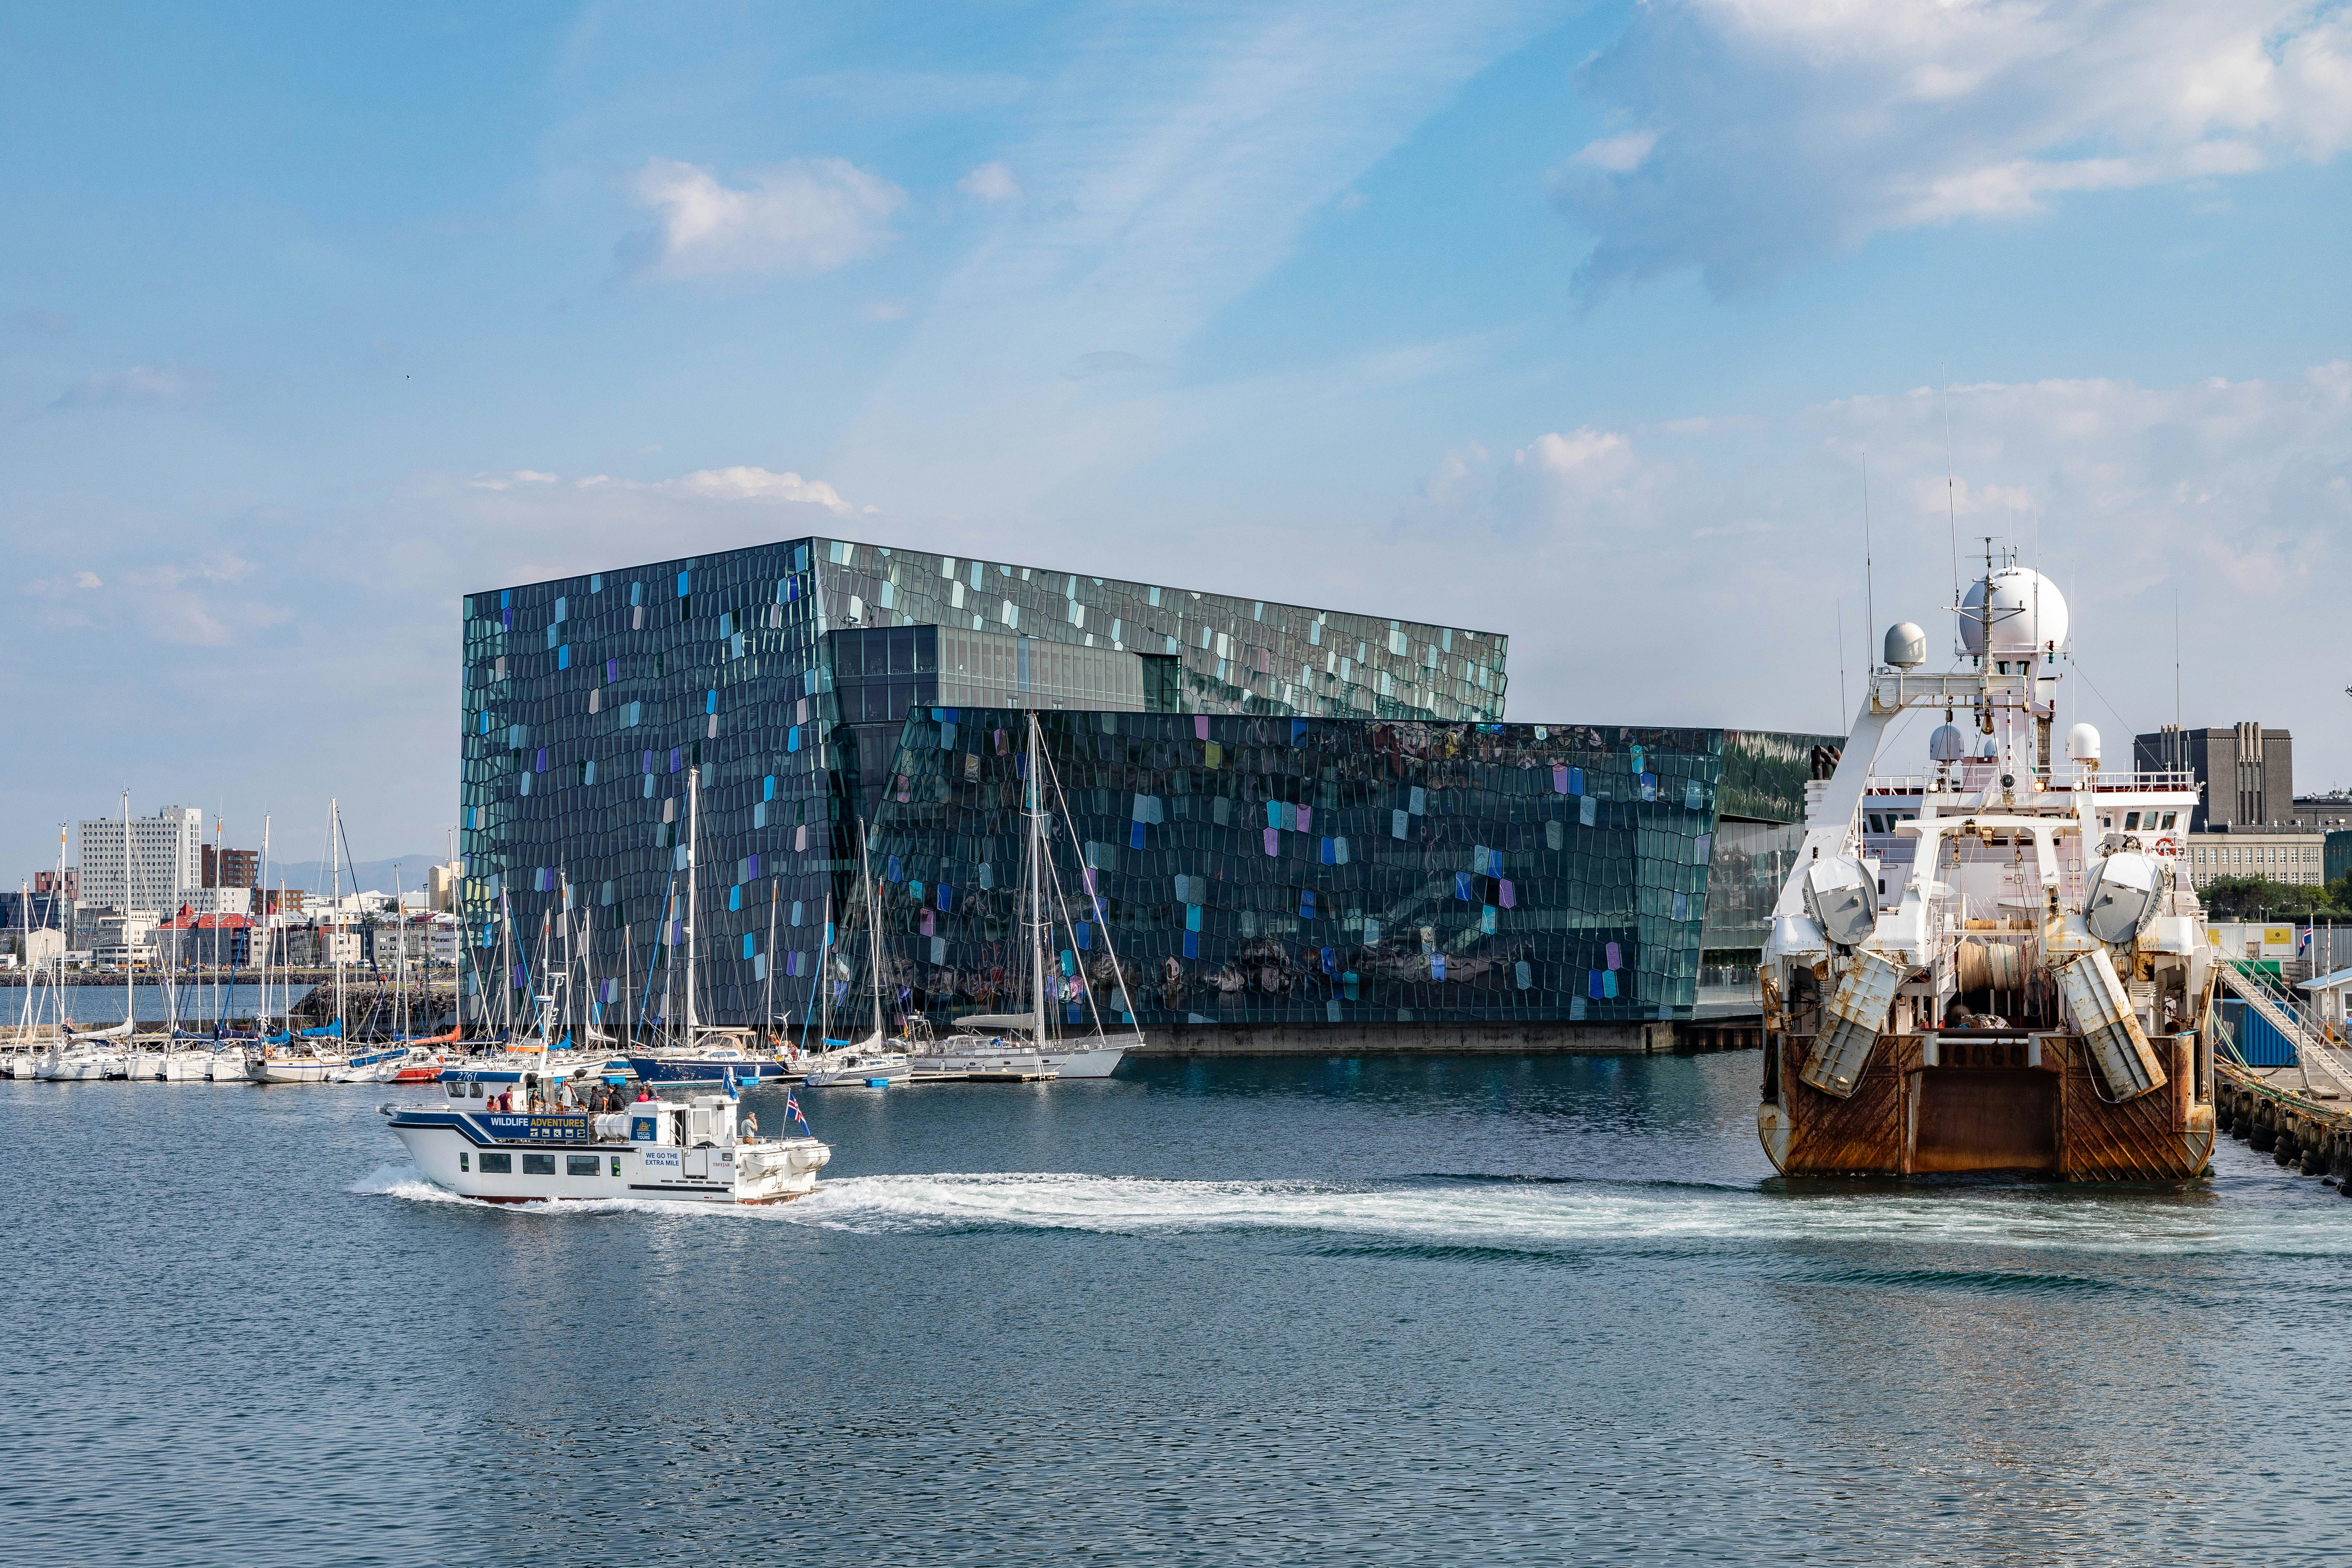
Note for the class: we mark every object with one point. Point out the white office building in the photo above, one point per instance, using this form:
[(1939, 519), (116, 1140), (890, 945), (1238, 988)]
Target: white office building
[(162, 861)]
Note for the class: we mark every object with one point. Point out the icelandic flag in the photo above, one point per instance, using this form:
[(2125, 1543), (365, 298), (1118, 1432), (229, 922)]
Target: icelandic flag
[(793, 1109), (731, 1092)]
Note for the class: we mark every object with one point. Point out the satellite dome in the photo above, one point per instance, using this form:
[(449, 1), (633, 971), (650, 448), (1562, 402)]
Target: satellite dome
[(1989, 750), (1950, 744), (1906, 645), (2026, 614), (2082, 745)]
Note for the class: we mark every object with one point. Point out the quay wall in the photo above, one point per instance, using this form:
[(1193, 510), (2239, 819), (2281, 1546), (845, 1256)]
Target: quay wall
[(1436, 1038)]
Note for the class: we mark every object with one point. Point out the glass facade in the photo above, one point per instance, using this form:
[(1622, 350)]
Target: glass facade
[(1306, 870), (587, 699)]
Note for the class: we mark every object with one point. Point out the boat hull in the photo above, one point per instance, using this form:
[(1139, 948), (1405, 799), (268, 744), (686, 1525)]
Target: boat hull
[(2016, 1106), (292, 1069), (695, 1069), (1100, 1062)]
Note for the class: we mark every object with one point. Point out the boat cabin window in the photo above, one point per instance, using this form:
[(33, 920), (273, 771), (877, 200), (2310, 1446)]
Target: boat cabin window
[(456, 1091), (476, 1092), (497, 1164), (462, 1161), (538, 1164), (580, 1164), (2171, 817), (2131, 820), (616, 1165)]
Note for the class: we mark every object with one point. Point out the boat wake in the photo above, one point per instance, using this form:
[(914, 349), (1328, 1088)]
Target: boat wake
[(1450, 1214)]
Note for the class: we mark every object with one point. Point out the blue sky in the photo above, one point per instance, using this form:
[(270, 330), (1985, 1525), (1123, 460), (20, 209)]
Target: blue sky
[(1572, 322)]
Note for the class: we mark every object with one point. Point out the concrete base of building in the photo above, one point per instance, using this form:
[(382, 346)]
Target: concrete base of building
[(1612, 1039)]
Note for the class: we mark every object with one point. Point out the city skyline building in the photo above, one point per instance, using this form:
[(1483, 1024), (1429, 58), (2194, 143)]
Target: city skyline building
[(2246, 772), (146, 869)]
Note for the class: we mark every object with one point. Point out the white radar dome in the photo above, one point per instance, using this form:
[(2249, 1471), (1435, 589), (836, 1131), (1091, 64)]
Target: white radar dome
[(1989, 750), (2024, 613), (1950, 744), (2083, 743), (1906, 645)]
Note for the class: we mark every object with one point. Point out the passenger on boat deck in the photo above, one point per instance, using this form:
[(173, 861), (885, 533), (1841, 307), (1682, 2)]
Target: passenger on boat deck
[(644, 1094)]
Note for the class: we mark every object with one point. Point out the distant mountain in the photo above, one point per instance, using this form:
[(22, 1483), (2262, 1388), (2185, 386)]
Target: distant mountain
[(359, 877)]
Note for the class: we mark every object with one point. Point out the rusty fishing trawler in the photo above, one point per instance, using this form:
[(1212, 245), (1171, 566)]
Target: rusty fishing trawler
[(1994, 965)]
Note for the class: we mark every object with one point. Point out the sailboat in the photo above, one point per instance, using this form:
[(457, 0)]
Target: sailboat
[(702, 1054), (979, 1042), (876, 1059), (308, 1058)]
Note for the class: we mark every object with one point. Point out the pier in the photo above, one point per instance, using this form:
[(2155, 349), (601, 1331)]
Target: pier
[(2299, 1114)]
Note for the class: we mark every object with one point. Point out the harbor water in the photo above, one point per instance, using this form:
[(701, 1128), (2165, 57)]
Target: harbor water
[(94, 1006), (1393, 1311)]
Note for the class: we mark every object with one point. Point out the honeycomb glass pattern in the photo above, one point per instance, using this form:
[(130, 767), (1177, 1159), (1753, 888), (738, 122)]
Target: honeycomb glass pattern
[(587, 700), (1305, 870)]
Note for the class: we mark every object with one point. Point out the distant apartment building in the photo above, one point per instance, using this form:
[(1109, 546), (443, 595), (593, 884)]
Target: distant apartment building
[(143, 864), (192, 941), (231, 868), (2247, 772), (61, 884), (2287, 853)]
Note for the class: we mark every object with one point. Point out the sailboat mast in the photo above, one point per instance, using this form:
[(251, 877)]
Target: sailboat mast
[(400, 955), (129, 1008), (768, 995), (335, 927), (693, 822), (263, 1026), (506, 962), (873, 924), (1036, 870)]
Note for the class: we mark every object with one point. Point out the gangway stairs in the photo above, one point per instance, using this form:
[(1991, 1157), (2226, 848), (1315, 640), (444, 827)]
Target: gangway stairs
[(2277, 1008)]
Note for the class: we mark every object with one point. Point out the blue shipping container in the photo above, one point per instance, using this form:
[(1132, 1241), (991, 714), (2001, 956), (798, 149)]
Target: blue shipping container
[(2262, 1046)]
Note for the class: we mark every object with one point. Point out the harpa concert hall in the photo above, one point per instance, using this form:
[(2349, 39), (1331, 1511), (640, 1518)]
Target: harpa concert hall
[(1305, 829)]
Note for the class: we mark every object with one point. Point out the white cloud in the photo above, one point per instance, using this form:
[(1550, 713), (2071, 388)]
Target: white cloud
[(508, 481), (88, 580), (159, 386), (755, 484), (1732, 560), (989, 183), (811, 215), (1170, 167), (1618, 155), (1767, 132)]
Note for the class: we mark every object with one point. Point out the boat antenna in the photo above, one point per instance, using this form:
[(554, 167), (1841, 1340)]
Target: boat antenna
[(1951, 501), (1869, 591), (1841, 645)]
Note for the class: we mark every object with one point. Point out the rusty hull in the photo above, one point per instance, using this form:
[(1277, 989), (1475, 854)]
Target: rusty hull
[(1984, 1108)]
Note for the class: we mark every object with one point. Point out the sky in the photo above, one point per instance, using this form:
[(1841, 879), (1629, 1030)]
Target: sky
[(1683, 341)]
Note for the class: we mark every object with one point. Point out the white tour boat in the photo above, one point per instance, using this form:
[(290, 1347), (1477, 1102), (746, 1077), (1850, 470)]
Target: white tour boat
[(697, 1151)]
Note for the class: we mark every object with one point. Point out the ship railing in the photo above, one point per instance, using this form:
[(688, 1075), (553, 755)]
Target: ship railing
[(1975, 774)]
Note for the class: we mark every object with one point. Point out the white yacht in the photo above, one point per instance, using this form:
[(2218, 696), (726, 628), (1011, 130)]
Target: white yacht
[(979, 1042)]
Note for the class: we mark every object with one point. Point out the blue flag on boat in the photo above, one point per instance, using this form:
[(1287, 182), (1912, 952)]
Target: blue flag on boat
[(793, 1109), (731, 1092)]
